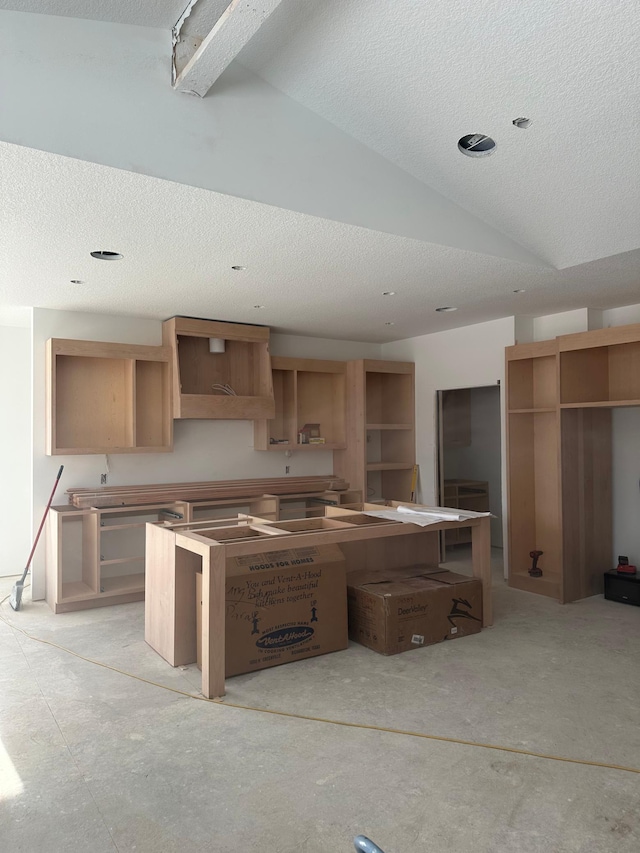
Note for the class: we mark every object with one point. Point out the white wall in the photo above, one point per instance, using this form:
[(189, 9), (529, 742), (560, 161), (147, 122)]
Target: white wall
[(461, 358), (203, 449), (621, 316), (482, 459), (15, 447)]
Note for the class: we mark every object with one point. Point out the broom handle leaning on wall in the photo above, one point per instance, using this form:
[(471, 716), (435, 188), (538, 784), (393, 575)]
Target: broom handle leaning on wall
[(44, 518)]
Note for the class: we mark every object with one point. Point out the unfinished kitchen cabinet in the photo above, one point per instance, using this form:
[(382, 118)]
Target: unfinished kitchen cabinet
[(380, 458), (307, 391), (560, 394), (96, 557), (107, 398), (533, 454), (220, 370)]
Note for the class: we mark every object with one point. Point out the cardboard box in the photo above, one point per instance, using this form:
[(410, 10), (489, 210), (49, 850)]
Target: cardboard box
[(282, 606), (396, 610)]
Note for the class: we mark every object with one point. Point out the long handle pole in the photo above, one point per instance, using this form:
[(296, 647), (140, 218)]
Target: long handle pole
[(44, 518)]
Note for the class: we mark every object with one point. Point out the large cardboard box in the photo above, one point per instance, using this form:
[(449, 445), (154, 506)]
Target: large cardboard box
[(395, 610), (282, 606)]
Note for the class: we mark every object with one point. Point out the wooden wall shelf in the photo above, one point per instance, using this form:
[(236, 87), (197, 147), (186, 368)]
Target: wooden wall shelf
[(560, 395), (380, 429), (244, 366), (306, 391), (107, 398)]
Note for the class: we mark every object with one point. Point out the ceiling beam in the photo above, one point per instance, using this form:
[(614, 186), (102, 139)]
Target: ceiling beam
[(209, 35)]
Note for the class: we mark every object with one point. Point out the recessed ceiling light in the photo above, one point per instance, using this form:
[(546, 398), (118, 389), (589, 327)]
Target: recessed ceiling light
[(446, 308), (103, 255), (522, 122), (76, 281), (238, 267), (476, 145), (520, 290), (388, 293), (389, 324), (259, 306)]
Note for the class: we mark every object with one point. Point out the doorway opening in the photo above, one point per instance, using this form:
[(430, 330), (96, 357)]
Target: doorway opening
[(469, 469)]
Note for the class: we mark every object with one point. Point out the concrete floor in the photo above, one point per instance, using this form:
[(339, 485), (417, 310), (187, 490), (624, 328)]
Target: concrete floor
[(91, 760)]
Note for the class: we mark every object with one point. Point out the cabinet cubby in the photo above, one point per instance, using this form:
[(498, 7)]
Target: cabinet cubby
[(306, 391)]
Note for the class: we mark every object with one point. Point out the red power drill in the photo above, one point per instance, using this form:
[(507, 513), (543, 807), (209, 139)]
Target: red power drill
[(535, 571)]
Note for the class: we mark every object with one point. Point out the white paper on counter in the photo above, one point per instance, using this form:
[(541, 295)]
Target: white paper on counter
[(425, 516)]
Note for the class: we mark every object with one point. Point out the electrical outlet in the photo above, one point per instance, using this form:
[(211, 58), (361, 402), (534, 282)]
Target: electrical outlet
[(103, 479), (287, 468)]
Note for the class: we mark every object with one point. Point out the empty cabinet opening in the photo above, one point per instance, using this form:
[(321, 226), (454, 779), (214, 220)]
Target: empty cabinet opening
[(389, 485), (532, 383), (228, 534), (535, 496), (93, 402), (200, 369), (601, 374), (310, 524), (78, 557), (389, 398), (320, 400), (152, 404)]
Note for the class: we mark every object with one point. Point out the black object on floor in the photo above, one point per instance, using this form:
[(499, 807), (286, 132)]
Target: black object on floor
[(622, 587)]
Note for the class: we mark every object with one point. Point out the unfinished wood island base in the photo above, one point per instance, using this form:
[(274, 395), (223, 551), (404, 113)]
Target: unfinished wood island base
[(176, 552)]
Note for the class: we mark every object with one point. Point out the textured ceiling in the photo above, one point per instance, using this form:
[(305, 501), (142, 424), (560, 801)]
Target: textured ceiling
[(409, 78), (143, 13), (406, 79), (314, 276)]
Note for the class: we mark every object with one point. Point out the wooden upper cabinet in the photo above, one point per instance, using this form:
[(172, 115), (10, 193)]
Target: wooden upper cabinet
[(107, 398), (234, 384), (307, 391)]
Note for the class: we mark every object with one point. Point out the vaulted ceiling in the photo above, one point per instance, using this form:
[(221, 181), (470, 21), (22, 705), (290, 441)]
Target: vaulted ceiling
[(325, 160)]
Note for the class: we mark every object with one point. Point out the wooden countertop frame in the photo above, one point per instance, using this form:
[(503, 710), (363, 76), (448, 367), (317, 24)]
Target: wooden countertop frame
[(173, 558)]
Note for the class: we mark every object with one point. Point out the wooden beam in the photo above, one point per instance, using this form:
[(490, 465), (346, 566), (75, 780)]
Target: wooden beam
[(209, 35)]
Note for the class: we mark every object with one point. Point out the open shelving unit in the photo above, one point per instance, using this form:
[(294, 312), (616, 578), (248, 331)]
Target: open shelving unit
[(107, 398), (380, 429), (96, 557), (306, 391), (560, 395), (198, 374)]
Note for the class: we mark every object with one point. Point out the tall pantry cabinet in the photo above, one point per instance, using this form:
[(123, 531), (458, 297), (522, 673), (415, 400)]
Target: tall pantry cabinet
[(561, 395)]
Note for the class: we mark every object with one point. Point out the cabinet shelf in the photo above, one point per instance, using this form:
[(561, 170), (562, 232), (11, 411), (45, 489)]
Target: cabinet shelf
[(306, 391), (244, 366), (380, 455), (122, 584), (120, 560), (601, 404), (76, 591), (306, 448), (388, 426), (389, 466), (107, 398), (531, 411)]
